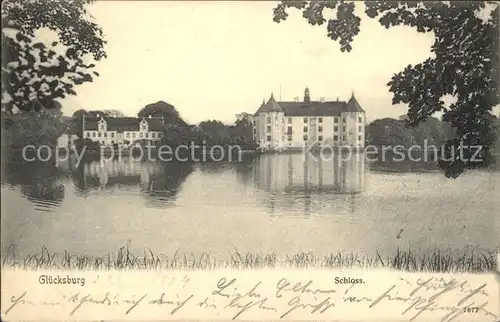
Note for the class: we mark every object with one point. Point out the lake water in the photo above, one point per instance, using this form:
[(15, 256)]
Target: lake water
[(267, 203)]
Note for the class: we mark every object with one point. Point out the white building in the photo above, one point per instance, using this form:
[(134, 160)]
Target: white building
[(289, 125), (123, 131)]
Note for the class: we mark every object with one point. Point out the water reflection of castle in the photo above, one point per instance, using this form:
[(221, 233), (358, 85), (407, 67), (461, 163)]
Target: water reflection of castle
[(299, 172)]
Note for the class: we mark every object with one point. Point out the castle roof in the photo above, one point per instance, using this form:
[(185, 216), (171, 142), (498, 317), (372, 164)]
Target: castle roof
[(121, 124), (270, 106), (309, 109), (313, 108), (354, 105)]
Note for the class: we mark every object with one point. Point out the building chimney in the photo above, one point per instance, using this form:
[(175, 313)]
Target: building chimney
[(307, 95), (296, 99), (322, 99)]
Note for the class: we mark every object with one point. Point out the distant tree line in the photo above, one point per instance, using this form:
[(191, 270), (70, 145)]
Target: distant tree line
[(393, 132)]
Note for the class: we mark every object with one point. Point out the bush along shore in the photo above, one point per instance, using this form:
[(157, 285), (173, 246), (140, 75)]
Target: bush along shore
[(468, 260)]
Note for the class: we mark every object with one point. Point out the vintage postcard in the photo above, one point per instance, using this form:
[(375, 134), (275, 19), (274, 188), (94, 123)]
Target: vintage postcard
[(250, 160)]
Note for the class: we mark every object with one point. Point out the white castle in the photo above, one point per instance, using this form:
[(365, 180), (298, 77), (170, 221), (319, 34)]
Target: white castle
[(291, 125)]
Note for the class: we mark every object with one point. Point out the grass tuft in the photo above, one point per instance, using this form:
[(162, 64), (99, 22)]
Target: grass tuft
[(470, 261)]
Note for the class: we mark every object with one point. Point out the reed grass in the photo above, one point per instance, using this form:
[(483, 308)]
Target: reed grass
[(471, 261)]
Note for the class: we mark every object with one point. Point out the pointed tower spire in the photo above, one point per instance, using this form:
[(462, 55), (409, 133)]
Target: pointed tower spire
[(353, 104), (272, 105), (263, 102)]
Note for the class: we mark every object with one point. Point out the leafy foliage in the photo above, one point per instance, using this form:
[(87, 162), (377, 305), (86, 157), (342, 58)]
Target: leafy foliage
[(34, 73), (392, 132), (161, 108), (243, 127), (465, 64), (33, 128)]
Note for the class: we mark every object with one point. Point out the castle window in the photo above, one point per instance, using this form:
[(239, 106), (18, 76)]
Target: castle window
[(360, 119), (305, 119), (344, 120), (254, 130), (99, 134), (305, 137), (320, 129), (268, 119), (269, 138), (159, 135), (94, 134), (88, 134), (359, 138), (320, 138), (289, 137), (289, 120), (335, 137), (112, 134), (133, 135), (268, 129), (344, 128), (360, 128), (335, 129), (305, 128), (320, 120), (105, 134), (289, 130), (335, 120)]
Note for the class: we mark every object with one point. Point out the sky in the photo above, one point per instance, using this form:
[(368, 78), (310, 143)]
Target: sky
[(213, 60)]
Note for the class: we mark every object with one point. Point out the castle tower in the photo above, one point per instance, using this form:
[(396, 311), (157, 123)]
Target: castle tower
[(355, 123)]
